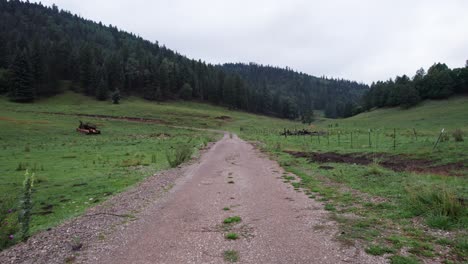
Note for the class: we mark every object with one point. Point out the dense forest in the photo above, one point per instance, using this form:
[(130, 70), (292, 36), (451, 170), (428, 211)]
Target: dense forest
[(301, 93), (439, 82), (41, 47)]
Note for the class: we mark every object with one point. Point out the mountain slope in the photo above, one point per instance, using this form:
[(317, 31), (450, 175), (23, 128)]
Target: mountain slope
[(39, 46)]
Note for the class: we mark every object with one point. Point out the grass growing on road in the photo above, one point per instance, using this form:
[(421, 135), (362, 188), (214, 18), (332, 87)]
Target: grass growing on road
[(232, 220), (231, 236), (231, 256)]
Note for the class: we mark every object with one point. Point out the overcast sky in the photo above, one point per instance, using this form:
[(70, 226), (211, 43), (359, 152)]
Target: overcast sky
[(362, 40)]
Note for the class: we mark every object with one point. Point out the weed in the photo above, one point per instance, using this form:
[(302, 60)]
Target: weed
[(231, 236), (377, 250), (330, 207), (403, 260), (8, 222), (26, 205), (231, 256), (457, 135), (226, 209), (21, 166), (180, 155), (232, 219), (440, 205), (461, 247), (76, 244)]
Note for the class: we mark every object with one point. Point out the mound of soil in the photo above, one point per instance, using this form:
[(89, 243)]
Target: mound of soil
[(394, 162)]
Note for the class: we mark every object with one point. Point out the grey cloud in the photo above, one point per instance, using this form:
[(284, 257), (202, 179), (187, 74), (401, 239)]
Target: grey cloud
[(363, 40)]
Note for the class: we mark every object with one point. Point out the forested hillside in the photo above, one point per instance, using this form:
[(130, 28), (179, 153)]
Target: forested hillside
[(41, 46), (276, 87), (439, 82)]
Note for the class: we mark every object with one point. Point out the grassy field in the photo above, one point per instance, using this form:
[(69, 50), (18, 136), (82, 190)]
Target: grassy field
[(74, 171), (399, 213)]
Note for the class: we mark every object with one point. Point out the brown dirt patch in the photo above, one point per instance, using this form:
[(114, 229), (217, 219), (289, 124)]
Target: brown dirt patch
[(108, 117), (394, 162), (16, 121)]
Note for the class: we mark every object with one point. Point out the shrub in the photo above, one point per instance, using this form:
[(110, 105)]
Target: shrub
[(180, 154), (458, 135)]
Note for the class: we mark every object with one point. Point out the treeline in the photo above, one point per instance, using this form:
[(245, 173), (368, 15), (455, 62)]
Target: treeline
[(439, 82), (42, 46), (295, 94)]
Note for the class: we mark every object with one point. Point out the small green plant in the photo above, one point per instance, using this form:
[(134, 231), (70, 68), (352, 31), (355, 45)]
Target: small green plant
[(226, 209), (26, 205), (461, 247), (21, 166), (330, 207), (403, 260), (377, 250), (180, 155), (231, 256), (457, 135), (231, 236), (76, 244), (232, 219), (444, 137), (8, 221)]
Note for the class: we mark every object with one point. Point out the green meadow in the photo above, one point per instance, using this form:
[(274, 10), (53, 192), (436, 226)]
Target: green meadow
[(392, 210)]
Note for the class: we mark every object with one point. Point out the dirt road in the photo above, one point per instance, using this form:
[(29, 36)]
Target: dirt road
[(186, 226)]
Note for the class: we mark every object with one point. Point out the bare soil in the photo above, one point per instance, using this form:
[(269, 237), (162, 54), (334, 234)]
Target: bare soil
[(394, 162), (177, 217)]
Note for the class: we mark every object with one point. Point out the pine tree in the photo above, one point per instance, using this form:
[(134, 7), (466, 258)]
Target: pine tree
[(22, 83), (186, 92), (87, 70), (116, 97), (102, 92)]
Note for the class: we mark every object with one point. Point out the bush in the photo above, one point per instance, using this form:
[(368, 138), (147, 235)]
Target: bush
[(458, 135), (440, 205), (180, 155)]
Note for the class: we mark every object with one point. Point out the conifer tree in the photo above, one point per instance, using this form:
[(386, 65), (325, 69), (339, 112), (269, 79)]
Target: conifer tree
[(22, 87)]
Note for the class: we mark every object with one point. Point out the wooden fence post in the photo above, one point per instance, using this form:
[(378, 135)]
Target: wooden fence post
[(370, 143), (438, 139)]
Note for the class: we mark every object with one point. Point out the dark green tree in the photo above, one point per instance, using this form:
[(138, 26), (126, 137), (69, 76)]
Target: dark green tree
[(102, 92), (22, 81), (116, 97), (186, 92)]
